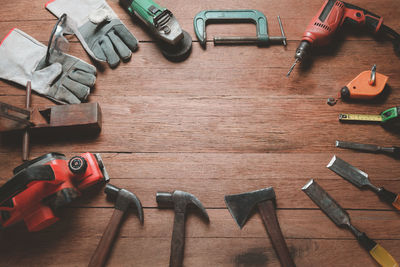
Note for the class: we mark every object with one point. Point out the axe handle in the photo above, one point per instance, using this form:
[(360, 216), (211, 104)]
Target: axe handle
[(100, 255), (178, 240), (271, 223)]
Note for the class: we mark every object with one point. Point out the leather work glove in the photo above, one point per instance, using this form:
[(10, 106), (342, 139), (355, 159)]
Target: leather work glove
[(66, 79), (98, 28)]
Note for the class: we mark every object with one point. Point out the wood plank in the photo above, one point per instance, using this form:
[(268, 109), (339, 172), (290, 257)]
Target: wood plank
[(221, 124), (238, 70), (224, 121), (211, 176), (42, 21), (77, 235)]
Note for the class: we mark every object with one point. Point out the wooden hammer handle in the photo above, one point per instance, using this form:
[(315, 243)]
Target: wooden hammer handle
[(271, 223), (177, 241), (100, 255)]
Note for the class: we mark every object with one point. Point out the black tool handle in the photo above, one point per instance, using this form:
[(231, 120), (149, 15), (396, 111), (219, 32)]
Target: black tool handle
[(389, 197), (103, 248), (393, 151), (271, 223), (178, 240), (366, 242)]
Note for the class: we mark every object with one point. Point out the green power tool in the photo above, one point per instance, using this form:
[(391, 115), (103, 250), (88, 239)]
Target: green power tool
[(175, 43)]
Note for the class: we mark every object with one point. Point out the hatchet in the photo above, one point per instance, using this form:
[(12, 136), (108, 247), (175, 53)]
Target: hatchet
[(240, 207)]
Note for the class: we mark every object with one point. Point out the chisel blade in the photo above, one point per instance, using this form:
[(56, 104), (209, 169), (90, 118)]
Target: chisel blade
[(357, 146), (327, 204), (348, 172)]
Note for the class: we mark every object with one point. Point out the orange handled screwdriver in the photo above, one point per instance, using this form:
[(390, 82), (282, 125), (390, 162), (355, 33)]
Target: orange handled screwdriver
[(360, 179)]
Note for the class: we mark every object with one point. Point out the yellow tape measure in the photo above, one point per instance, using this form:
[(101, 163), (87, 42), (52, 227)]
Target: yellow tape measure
[(360, 117)]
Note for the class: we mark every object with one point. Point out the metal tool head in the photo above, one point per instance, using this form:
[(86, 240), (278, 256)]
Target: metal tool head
[(124, 199), (349, 172), (102, 167), (357, 146), (327, 204), (167, 27), (178, 51), (180, 200), (241, 205)]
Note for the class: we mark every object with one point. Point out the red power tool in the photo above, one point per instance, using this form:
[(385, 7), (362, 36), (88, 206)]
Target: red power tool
[(331, 17), (40, 186)]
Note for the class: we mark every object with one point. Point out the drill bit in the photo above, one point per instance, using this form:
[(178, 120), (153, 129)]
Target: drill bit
[(292, 67)]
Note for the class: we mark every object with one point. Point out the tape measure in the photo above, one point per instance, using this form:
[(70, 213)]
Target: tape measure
[(388, 116)]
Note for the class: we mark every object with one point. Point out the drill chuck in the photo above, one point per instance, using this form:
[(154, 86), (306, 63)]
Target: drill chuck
[(301, 53), (302, 50)]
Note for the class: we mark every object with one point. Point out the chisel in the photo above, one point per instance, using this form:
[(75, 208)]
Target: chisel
[(360, 179), (342, 219), (389, 116), (393, 151)]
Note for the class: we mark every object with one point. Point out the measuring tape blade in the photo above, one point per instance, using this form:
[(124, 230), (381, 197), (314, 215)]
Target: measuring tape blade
[(359, 117)]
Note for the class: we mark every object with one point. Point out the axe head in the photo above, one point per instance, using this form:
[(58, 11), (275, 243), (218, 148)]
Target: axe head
[(241, 205)]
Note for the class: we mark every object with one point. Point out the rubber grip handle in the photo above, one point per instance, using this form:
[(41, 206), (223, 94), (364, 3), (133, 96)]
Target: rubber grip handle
[(377, 251), (396, 151), (353, 15), (389, 197), (383, 257)]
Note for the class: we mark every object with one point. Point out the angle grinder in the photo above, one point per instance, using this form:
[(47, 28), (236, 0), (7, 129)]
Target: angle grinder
[(175, 43)]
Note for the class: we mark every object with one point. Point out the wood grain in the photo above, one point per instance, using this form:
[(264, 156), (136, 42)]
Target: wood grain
[(224, 121)]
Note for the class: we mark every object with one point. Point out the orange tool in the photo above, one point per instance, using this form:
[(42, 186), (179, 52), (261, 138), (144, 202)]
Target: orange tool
[(367, 85)]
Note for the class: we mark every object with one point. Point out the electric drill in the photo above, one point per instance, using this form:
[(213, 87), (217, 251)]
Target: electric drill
[(331, 17), (41, 186)]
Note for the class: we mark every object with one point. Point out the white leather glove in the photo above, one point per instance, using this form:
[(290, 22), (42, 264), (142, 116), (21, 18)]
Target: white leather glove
[(66, 80)]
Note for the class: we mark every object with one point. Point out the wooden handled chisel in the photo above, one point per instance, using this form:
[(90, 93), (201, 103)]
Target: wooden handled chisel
[(342, 219), (360, 179), (393, 151)]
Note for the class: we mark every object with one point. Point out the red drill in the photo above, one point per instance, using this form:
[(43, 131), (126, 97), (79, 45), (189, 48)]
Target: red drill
[(332, 16)]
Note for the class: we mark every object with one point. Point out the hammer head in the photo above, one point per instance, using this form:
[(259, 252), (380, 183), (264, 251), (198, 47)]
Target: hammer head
[(124, 199), (241, 205), (179, 200)]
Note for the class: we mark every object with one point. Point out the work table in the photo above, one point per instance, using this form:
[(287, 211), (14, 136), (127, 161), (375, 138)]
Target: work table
[(224, 121)]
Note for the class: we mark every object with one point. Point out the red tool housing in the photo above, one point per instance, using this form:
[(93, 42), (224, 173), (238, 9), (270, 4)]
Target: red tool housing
[(44, 184), (332, 15)]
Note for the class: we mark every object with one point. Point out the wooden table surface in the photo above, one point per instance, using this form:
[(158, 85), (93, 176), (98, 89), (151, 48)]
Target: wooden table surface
[(224, 121)]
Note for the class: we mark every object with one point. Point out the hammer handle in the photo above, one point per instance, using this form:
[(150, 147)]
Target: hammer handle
[(178, 241), (271, 223), (100, 255)]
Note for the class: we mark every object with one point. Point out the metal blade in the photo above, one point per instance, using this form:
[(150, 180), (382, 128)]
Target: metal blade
[(327, 204), (349, 172), (25, 114), (241, 205), (357, 146), (102, 167)]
